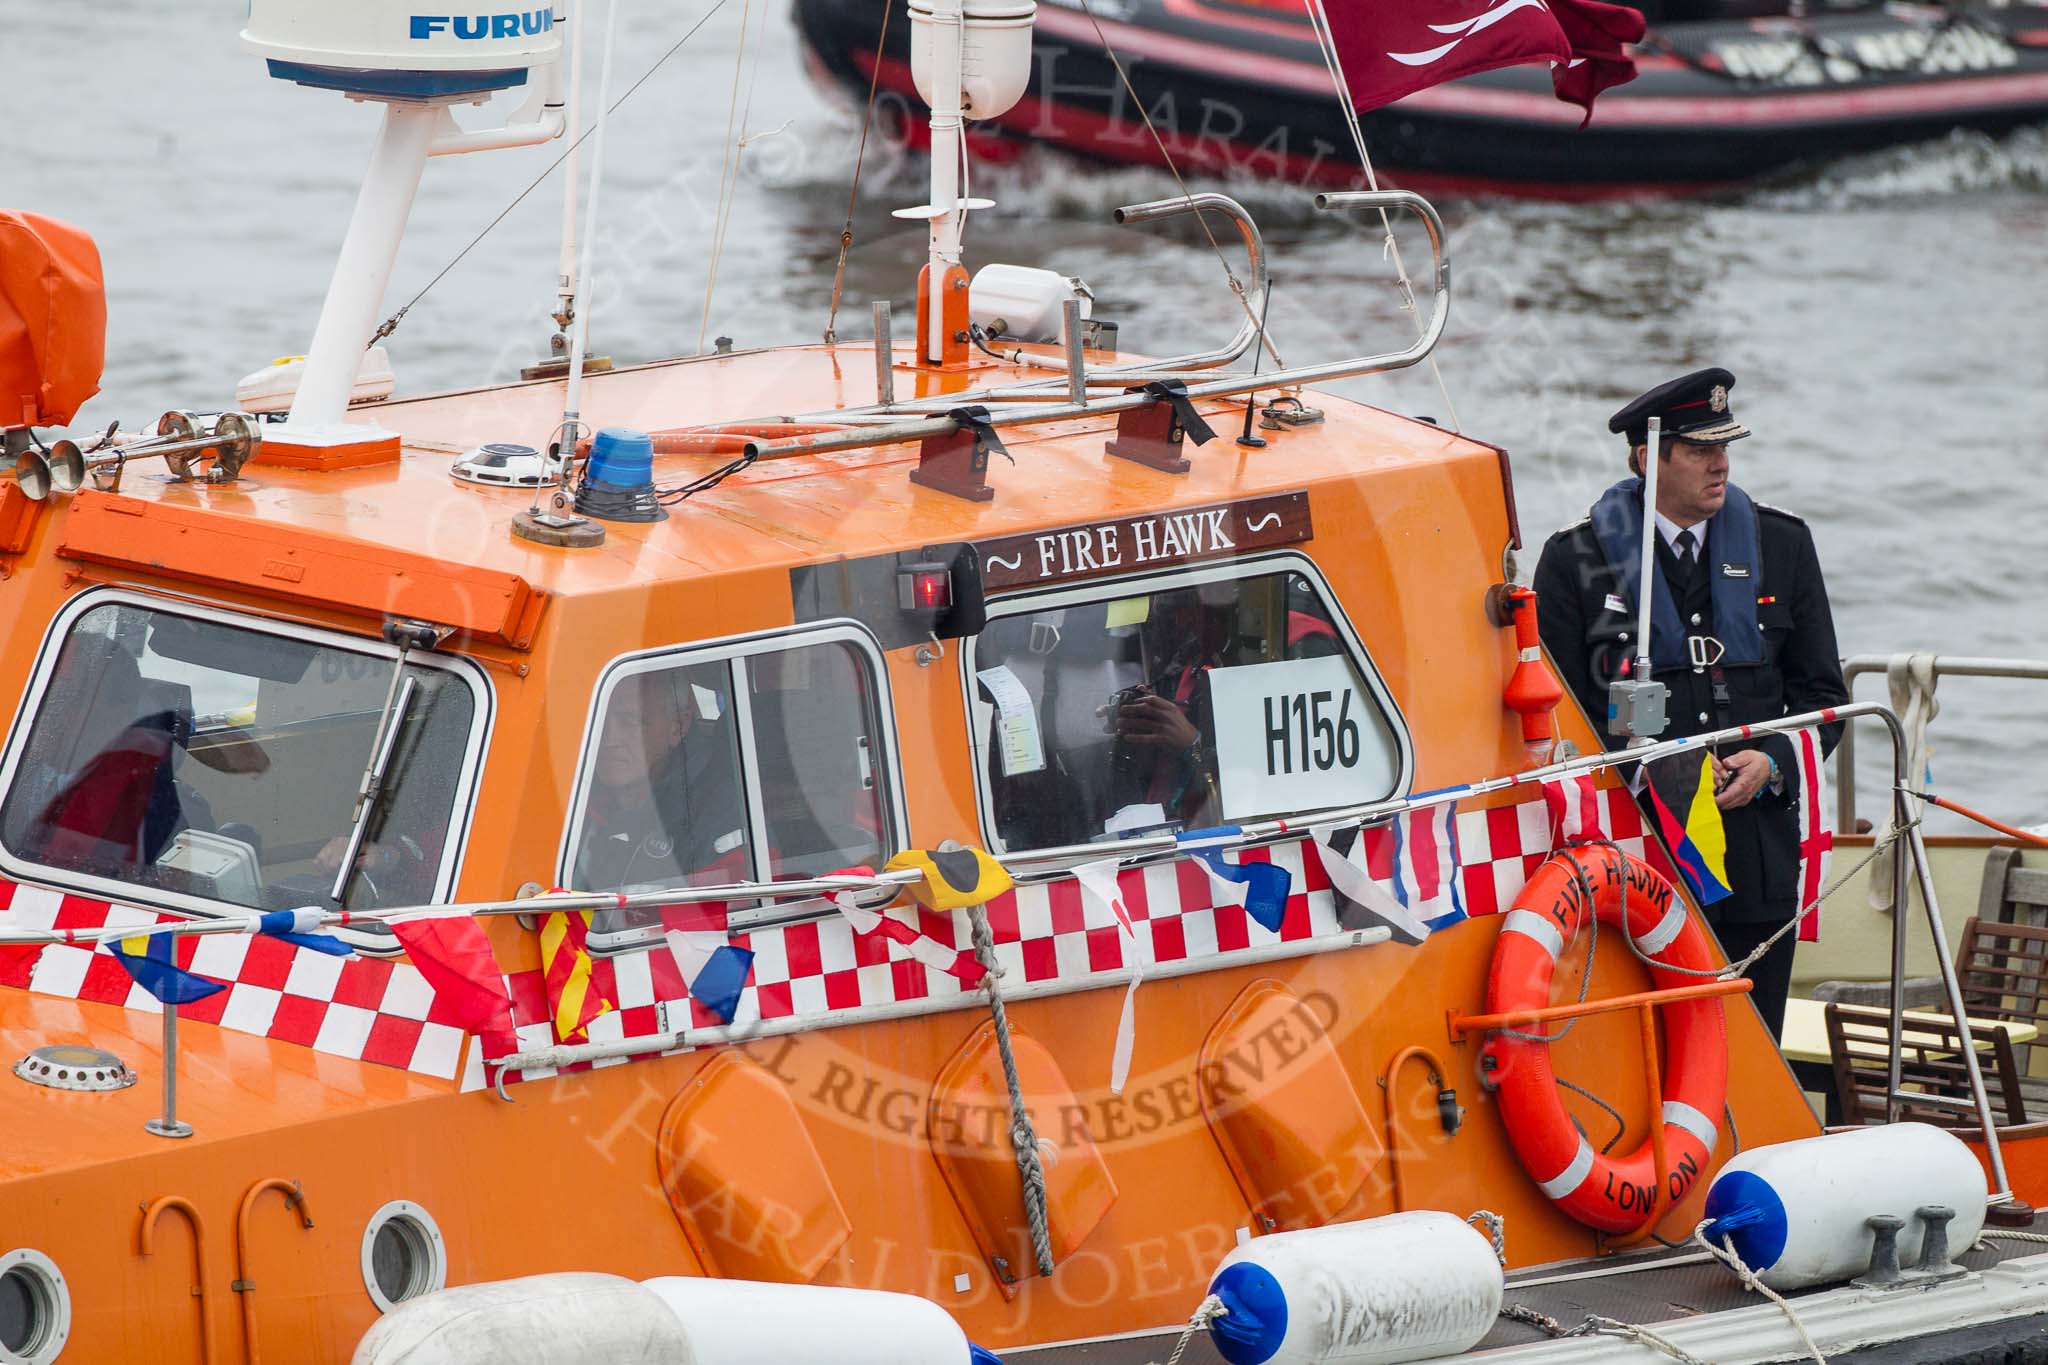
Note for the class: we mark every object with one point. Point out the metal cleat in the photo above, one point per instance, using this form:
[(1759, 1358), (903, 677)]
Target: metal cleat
[(1934, 1261), (1884, 1270)]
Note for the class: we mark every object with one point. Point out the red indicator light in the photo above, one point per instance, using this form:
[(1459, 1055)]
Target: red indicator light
[(925, 587)]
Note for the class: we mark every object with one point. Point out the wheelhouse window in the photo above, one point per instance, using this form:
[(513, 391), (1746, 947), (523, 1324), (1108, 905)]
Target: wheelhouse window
[(763, 764), (1220, 696), (201, 757)]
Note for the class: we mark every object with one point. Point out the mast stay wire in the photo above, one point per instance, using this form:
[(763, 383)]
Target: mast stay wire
[(390, 324), (853, 195), (1320, 22), (1236, 285), (736, 117)]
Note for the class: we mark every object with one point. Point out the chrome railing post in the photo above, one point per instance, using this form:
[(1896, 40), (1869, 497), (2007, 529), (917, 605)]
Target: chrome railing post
[(1954, 986)]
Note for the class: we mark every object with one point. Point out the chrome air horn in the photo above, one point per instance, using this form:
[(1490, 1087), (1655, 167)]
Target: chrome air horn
[(183, 440)]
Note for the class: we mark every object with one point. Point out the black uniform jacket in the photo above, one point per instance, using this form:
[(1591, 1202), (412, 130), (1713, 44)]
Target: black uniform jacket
[(1589, 630)]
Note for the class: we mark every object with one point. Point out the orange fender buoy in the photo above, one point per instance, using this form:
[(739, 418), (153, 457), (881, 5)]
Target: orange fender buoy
[(1616, 1194)]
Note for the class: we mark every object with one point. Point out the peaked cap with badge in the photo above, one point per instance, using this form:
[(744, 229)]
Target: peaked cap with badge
[(1693, 408)]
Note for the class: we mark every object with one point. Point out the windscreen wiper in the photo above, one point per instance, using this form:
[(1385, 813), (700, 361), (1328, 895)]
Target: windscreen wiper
[(408, 636)]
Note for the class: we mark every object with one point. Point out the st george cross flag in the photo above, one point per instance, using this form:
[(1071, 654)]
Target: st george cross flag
[(1392, 48), (1575, 811), (1261, 888), (1816, 832), (714, 969)]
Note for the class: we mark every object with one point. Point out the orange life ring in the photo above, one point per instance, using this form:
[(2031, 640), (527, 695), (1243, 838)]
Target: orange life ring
[(1614, 1194)]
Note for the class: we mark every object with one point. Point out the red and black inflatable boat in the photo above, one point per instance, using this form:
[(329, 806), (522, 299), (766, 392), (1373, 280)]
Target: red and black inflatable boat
[(1242, 87)]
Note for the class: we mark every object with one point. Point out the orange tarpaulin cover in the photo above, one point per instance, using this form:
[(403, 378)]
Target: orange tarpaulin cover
[(53, 320)]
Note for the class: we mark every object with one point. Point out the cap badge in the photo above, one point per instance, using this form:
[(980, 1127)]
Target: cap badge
[(1718, 399)]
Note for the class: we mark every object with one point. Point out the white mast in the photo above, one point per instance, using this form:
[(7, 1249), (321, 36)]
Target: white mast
[(969, 59), (567, 274)]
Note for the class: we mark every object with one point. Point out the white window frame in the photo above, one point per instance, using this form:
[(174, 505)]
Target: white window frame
[(981, 714), (461, 813), (887, 765)]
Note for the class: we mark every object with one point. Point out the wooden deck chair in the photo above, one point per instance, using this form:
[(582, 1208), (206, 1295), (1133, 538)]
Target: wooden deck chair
[(2004, 971), (1859, 1040)]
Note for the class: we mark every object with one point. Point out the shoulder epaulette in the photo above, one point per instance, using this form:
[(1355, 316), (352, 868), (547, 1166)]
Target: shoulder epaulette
[(1789, 516)]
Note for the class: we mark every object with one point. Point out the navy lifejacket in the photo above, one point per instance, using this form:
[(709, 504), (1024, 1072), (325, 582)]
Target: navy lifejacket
[(1736, 569)]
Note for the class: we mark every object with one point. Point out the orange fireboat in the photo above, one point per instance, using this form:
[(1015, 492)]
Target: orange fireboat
[(1177, 943)]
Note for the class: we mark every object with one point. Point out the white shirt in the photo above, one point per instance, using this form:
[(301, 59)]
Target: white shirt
[(1669, 529)]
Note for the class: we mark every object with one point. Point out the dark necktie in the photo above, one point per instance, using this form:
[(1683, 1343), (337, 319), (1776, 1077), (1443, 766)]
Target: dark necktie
[(1687, 561)]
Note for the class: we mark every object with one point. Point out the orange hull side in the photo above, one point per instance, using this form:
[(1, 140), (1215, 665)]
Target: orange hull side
[(1413, 525)]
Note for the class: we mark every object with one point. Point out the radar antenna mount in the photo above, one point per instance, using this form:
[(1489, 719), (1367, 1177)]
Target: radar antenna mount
[(970, 59), (417, 66)]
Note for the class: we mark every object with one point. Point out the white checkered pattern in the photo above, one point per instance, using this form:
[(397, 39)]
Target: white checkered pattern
[(365, 1008), (384, 1012)]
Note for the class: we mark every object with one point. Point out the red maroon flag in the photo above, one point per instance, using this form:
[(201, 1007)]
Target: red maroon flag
[(1391, 48)]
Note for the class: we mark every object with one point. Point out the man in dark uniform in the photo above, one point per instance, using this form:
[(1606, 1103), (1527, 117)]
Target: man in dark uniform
[(1740, 632)]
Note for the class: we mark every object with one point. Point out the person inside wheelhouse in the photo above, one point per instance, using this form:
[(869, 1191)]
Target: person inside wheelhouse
[(211, 761), (664, 804), (1122, 705)]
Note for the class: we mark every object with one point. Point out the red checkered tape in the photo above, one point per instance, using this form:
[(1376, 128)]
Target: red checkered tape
[(382, 1011)]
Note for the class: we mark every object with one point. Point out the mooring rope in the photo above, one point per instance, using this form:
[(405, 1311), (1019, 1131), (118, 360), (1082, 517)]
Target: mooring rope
[(1496, 1232), (1022, 1135), (1726, 1254), (1209, 1310)]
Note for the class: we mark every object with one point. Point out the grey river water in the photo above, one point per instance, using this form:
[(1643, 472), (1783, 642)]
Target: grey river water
[(1887, 318)]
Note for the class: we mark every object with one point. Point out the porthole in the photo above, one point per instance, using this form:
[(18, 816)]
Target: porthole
[(35, 1309), (403, 1255)]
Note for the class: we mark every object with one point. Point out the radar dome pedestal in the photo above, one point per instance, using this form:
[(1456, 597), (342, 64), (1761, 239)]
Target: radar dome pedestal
[(970, 59), (417, 63)]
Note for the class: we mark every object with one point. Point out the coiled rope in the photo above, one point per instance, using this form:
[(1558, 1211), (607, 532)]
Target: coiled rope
[(1030, 1170)]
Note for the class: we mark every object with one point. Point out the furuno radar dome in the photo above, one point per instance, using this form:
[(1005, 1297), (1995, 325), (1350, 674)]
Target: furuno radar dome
[(403, 49)]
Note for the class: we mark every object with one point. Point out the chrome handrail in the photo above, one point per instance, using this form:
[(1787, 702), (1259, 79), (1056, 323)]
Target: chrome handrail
[(918, 429), (1953, 665), (1255, 257)]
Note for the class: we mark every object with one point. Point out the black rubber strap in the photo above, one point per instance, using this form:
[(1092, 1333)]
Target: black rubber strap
[(976, 420), (1174, 393)]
